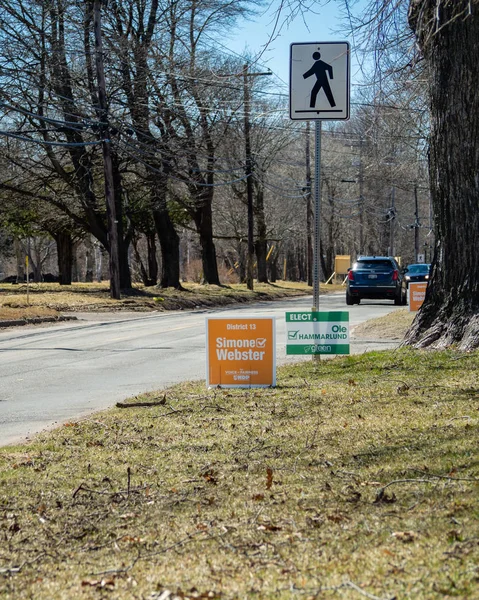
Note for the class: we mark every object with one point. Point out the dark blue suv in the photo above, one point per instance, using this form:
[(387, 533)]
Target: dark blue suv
[(376, 277)]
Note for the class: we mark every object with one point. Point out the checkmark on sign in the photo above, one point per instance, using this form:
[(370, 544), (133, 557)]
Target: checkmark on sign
[(261, 342), (293, 335)]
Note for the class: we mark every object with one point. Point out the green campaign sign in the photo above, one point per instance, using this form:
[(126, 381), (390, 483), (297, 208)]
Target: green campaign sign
[(317, 332)]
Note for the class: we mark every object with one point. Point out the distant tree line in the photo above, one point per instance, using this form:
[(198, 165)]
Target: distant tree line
[(174, 123)]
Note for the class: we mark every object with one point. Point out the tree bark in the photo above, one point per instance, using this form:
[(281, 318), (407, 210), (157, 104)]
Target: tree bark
[(169, 245), (152, 262), (89, 259), (64, 244), (20, 260), (447, 33), (204, 225), (273, 266)]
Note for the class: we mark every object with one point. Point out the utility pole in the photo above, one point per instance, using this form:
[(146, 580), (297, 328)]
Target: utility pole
[(392, 221), (248, 173), (361, 198), (309, 208), (107, 162), (360, 180), (249, 182)]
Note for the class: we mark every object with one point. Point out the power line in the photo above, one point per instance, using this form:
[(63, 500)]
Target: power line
[(44, 143)]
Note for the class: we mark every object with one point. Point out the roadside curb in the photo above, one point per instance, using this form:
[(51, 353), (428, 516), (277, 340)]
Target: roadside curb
[(36, 321)]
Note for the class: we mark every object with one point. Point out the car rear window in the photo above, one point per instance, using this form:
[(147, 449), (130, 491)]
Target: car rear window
[(373, 264)]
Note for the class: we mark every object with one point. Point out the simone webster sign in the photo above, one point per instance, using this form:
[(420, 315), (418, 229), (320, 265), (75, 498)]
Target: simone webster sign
[(240, 352), (317, 332)]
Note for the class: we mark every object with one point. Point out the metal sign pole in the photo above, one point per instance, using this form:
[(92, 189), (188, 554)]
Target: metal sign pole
[(317, 213)]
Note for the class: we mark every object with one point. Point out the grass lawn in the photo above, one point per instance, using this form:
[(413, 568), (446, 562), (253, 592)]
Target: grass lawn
[(356, 477)]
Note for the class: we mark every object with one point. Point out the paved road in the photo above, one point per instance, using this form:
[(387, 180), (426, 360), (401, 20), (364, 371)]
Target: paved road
[(49, 375)]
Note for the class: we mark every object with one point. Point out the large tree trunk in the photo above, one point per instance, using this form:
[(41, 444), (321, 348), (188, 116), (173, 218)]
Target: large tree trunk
[(65, 257), (20, 260), (148, 272), (447, 33), (273, 267), (204, 226), (152, 262), (123, 240), (89, 259), (169, 246)]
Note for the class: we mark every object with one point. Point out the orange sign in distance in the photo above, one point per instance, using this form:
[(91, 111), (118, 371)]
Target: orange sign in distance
[(240, 352), (417, 293)]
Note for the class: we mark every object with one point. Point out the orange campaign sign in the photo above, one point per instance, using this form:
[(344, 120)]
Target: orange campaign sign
[(240, 352), (417, 293)]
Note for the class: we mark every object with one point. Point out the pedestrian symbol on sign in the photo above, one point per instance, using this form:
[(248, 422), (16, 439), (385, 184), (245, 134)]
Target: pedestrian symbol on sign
[(319, 81), (321, 70)]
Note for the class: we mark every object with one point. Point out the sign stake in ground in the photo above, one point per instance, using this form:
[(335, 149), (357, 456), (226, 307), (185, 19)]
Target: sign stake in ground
[(319, 90)]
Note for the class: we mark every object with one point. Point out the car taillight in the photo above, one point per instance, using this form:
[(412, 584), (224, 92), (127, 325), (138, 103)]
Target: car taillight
[(395, 275), (350, 276)]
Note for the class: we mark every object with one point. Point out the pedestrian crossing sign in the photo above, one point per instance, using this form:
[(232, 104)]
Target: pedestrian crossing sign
[(319, 81)]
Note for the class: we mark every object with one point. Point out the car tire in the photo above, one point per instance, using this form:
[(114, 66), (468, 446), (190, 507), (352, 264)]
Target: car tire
[(349, 299), (398, 299)]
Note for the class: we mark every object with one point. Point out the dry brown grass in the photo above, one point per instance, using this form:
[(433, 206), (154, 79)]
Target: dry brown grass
[(356, 477), (9, 313), (81, 297), (392, 326)]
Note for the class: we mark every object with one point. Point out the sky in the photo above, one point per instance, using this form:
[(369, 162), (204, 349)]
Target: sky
[(324, 25)]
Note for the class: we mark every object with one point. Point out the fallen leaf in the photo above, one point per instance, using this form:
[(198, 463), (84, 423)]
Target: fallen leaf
[(337, 517), (211, 477), (405, 536), (269, 527), (269, 478), (131, 539)]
